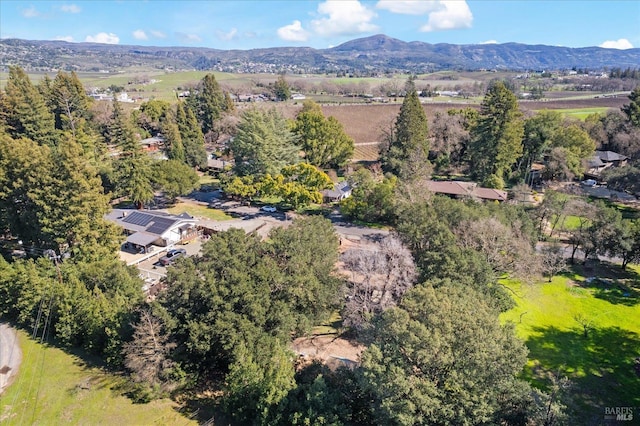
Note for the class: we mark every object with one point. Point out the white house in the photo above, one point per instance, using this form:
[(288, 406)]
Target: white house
[(144, 228)]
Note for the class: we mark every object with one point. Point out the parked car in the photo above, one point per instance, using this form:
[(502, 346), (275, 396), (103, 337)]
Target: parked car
[(269, 209), (171, 256)]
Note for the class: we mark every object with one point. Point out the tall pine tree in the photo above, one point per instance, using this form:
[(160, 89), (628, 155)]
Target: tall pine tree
[(191, 136), (497, 138), (406, 151), (27, 113), (132, 168), (208, 103), (72, 211)]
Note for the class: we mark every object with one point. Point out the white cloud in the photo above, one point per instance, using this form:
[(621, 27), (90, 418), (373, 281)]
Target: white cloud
[(622, 43), (140, 35), (293, 32), (31, 12), (64, 38), (70, 8), (157, 34), (410, 7), (233, 34), (188, 38), (489, 42), (344, 18), (106, 38), (454, 15)]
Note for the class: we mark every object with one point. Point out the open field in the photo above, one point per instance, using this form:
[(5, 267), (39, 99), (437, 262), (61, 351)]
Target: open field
[(551, 319), (55, 388)]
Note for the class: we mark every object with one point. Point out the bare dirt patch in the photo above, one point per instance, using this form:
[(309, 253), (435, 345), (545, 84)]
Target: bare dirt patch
[(331, 350)]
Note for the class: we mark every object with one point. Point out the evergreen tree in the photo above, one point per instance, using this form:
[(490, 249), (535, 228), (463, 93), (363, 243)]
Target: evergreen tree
[(191, 136), (72, 106), (497, 138), (323, 140), (632, 109), (281, 89), (208, 103), (132, 168), (27, 113), (72, 210), (406, 151), (173, 141), (25, 173), (264, 143)]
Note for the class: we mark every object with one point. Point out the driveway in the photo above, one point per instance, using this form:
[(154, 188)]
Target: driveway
[(10, 355)]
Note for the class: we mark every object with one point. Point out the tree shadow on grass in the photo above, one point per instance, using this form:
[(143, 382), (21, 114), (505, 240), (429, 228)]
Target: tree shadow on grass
[(609, 282), (601, 367)]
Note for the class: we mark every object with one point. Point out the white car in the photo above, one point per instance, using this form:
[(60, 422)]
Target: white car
[(269, 209)]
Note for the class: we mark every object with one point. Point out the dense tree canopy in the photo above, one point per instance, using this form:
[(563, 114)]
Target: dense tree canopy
[(208, 102), (323, 140), (264, 143), (441, 357), (27, 114)]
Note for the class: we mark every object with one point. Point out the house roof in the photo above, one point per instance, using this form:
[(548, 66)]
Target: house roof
[(449, 187), (609, 156), (150, 222), (141, 238), (214, 163), (468, 189), (340, 189), (595, 161)]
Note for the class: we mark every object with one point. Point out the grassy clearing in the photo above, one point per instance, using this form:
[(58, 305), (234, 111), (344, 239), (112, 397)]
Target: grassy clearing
[(199, 211), (56, 388), (550, 318), (582, 113), (332, 326), (570, 223)]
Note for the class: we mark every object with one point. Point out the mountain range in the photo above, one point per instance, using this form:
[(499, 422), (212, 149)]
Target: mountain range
[(377, 53)]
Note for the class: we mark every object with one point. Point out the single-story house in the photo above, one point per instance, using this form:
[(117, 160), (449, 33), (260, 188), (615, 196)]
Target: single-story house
[(152, 144), (602, 160), (340, 191), (145, 228), (458, 189)]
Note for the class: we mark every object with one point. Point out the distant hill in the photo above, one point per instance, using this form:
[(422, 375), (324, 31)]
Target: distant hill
[(370, 54)]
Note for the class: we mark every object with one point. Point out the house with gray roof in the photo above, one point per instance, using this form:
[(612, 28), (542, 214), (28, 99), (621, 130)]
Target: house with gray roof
[(145, 228), (601, 161), (340, 191), (459, 189)]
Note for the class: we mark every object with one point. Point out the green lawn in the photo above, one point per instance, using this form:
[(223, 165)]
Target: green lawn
[(582, 113), (200, 211), (56, 388), (549, 317)]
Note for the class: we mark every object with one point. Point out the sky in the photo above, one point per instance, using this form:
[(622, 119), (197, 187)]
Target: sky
[(321, 24)]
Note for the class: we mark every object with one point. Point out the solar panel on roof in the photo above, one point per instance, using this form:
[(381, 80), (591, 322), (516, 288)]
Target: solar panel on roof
[(138, 218), (160, 225)]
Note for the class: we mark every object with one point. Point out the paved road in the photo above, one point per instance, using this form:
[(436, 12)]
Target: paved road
[(251, 213), (10, 356)]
